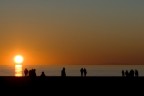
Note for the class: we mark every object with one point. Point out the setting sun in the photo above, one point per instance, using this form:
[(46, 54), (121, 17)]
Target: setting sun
[(18, 59)]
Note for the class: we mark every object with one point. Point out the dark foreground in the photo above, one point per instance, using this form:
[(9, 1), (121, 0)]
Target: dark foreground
[(70, 85)]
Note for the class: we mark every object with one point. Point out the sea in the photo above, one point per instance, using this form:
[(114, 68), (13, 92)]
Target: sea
[(73, 70)]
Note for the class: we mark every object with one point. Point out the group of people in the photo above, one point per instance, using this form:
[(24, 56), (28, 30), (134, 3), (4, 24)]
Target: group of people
[(83, 72), (32, 72), (131, 73)]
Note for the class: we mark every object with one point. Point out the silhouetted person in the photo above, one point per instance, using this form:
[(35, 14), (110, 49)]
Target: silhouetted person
[(131, 74), (123, 73), (43, 74), (30, 73), (34, 72), (63, 73), (126, 73), (85, 72), (82, 71), (136, 73), (26, 72)]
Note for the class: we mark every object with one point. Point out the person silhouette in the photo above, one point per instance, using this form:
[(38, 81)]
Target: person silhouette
[(63, 73), (126, 73), (85, 72), (82, 71), (136, 73), (34, 73), (42, 74), (123, 73), (131, 73), (26, 72)]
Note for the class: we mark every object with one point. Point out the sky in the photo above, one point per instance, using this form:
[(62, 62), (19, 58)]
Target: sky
[(72, 31)]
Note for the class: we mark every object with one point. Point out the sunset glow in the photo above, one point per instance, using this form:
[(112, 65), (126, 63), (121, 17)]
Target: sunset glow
[(91, 32)]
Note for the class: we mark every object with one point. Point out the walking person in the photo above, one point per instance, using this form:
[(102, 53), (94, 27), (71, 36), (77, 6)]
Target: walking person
[(63, 73), (85, 72), (26, 71), (123, 73), (81, 71), (136, 73)]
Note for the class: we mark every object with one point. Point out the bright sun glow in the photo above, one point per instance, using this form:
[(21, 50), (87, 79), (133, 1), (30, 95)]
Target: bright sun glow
[(18, 59)]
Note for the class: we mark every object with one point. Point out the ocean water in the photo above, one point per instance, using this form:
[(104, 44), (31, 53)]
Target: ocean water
[(74, 70)]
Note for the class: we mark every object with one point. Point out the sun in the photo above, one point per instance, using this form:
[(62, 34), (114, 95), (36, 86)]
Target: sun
[(18, 59)]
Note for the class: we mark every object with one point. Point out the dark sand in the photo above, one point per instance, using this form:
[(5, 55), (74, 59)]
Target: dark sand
[(69, 85)]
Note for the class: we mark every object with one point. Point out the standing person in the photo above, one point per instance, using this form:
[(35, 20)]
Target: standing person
[(136, 73), (63, 73), (85, 72), (131, 73), (82, 71), (126, 73), (123, 73), (26, 72)]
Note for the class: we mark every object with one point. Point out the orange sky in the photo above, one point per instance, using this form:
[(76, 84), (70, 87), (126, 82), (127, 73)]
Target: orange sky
[(89, 32)]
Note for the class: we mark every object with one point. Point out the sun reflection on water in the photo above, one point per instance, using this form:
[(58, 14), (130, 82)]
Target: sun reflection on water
[(18, 70)]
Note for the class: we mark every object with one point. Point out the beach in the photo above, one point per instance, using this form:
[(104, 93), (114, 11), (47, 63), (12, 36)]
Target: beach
[(73, 85)]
